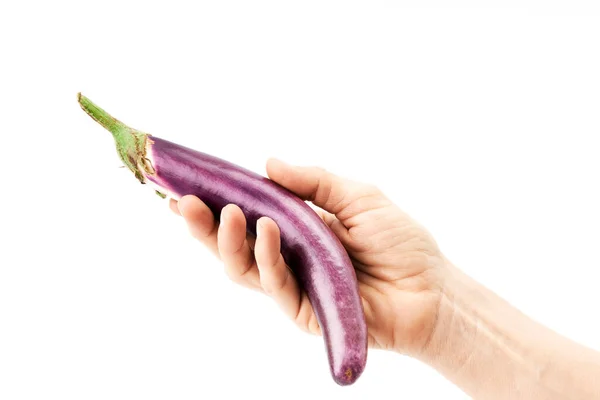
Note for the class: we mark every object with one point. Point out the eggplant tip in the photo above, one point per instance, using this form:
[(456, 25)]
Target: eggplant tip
[(348, 375)]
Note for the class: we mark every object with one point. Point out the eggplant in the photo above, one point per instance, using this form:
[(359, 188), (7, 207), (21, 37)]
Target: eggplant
[(309, 247)]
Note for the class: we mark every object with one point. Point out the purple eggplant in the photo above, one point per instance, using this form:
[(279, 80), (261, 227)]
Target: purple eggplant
[(309, 247)]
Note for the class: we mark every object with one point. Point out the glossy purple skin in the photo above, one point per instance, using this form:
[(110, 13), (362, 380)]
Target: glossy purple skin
[(309, 247)]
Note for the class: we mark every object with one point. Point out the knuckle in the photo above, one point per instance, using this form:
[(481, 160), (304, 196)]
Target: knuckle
[(371, 189), (272, 286), (237, 274), (324, 190), (198, 233), (319, 170), (268, 289), (232, 275)]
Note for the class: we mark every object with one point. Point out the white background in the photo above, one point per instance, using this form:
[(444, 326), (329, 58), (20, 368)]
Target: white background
[(481, 122)]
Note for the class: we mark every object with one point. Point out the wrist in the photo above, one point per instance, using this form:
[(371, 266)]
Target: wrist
[(485, 345), (454, 331), (492, 350)]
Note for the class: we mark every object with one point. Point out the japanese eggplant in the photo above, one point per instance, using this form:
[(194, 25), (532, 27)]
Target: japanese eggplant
[(309, 247)]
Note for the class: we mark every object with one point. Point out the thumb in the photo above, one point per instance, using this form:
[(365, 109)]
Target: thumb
[(326, 190)]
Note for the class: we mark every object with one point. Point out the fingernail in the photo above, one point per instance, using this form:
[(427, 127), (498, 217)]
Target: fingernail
[(259, 227)]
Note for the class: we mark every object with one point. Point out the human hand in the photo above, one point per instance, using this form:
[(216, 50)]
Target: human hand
[(398, 264)]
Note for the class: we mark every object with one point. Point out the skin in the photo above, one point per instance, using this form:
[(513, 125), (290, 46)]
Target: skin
[(416, 301), (395, 260)]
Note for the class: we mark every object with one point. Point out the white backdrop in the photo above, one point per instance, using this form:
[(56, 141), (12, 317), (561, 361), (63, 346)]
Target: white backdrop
[(480, 122)]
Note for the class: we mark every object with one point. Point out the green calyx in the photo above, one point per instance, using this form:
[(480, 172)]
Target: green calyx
[(131, 143)]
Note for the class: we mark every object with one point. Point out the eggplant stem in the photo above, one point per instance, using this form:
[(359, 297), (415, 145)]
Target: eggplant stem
[(113, 125), (131, 143)]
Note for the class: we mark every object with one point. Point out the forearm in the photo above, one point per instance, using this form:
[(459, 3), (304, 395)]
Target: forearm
[(493, 351)]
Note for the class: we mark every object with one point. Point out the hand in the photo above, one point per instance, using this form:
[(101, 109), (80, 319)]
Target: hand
[(398, 264)]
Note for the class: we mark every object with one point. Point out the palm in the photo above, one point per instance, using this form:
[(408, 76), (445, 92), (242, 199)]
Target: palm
[(395, 263)]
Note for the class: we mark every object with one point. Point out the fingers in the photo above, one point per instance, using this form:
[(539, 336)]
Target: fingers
[(226, 240), (324, 189), (274, 274), (234, 248), (262, 269), (277, 280), (339, 196), (200, 221)]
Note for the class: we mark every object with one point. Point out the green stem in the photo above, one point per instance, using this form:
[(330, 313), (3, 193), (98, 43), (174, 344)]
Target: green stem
[(113, 125), (131, 144)]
